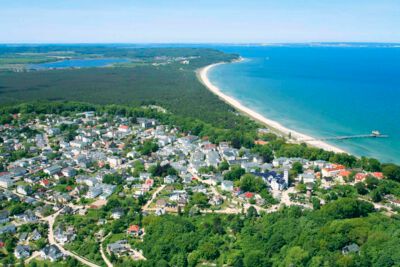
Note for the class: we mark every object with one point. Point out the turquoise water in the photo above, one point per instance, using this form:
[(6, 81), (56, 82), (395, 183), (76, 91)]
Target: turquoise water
[(78, 63), (322, 92)]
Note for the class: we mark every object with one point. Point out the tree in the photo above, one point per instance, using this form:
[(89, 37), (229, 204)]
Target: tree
[(371, 182), (234, 174), (112, 179), (376, 195), (252, 212), (391, 171), (255, 258), (297, 168), (296, 256), (162, 171), (264, 151), (148, 147), (316, 203), (200, 199), (361, 188), (251, 183), (223, 166)]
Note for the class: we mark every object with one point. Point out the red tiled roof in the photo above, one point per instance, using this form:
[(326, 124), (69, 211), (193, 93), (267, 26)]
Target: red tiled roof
[(345, 173), (360, 176), (248, 195), (134, 228), (378, 175)]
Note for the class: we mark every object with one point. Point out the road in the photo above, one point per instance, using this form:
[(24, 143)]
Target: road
[(34, 255), (103, 255), (51, 219), (146, 206)]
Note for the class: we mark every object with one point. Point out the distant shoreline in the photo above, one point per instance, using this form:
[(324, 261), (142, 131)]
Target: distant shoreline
[(296, 137)]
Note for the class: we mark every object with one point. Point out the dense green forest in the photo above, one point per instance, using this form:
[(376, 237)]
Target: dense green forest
[(289, 237), (173, 86)]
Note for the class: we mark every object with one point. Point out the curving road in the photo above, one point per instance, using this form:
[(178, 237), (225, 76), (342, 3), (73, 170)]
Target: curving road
[(51, 219)]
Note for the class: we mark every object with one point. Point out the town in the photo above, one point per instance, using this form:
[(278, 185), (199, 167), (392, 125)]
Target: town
[(87, 180)]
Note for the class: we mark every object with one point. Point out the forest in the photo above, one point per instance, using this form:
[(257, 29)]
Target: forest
[(289, 237)]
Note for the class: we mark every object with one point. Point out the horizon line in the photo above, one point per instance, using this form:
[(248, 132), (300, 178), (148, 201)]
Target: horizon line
[(194, 43)]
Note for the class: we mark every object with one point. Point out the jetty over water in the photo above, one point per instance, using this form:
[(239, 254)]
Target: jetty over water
[(373, 134)]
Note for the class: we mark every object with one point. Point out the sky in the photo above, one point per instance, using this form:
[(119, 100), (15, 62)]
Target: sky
[(199, 21)]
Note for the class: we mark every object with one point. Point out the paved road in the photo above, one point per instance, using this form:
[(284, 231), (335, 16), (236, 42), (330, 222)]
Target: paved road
[(146, 206), (51, 219)]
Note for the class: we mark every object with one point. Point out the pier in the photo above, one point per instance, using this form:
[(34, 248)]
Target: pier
[(373, 134)]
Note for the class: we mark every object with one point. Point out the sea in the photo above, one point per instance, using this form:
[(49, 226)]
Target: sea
[(322, 91)]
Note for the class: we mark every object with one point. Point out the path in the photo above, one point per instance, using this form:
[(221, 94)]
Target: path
[(51, 219), (103, 255), (34, 255), (146, 206)]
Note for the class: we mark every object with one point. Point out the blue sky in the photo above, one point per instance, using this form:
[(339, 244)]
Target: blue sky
[(193, 21)]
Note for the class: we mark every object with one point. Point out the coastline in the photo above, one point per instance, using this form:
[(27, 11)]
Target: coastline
[(296, 137)]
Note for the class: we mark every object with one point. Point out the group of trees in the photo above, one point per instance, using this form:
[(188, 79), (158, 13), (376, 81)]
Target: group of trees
[(162, 171), (289, 237), (148, 147)]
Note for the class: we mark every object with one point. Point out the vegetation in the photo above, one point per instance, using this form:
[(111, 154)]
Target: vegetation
[(288, 237)]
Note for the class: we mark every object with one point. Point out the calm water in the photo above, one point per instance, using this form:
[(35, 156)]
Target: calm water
[(78, 63), (322, 92)]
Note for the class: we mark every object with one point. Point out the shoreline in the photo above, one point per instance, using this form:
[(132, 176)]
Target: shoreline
[(296, 137)]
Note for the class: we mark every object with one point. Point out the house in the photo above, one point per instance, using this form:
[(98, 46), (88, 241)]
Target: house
[(94, 191), (52, 170), (22, 251), (123, 129), (359, 177), (29, 216), (117, 214), (134, 230), (51, 253), (64, 236), (149, 183), (227, 185), (68, 172), (170, 179), (35, 235), (10, 228), (377, 175), (146, 123), (4, 216), (53, 131), (307, 177), (279, 161), (118, 248), (6, 181), (160, 211), (352, 248), (161, 203), (246, 195), (45, 182), (332, 171), (344, 174), (114, 161), (24, 190), (216, 200)]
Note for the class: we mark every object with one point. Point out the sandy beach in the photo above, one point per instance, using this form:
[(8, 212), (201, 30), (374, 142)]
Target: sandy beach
[(296, 136)]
